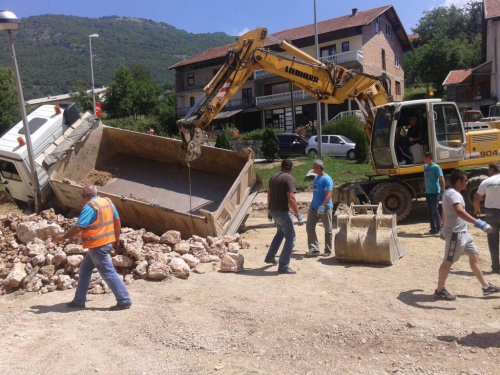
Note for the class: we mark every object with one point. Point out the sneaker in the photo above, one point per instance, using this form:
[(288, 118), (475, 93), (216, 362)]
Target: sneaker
[(313, 253), (444, 295), (120, 307), (287, 270), (431, 233), (73, 305), (327, 253), (490, 289), (271, 261)]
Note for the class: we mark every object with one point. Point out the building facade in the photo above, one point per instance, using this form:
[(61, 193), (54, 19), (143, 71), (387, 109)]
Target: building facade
[(371, 41)]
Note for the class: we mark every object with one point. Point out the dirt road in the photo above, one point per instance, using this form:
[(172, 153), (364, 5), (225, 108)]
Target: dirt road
[(330, 318)]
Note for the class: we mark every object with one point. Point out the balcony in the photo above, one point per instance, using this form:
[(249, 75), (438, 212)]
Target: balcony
[(282, 98), (343, 58)]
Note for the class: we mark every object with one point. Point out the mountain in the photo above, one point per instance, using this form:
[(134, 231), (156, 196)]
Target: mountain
[(53, 50)]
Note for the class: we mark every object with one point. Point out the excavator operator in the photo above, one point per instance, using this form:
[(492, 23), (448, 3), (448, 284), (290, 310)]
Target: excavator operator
[(413, 136)]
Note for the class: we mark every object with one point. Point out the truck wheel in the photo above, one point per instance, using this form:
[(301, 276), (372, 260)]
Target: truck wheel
[(350, 155), (395, 198), (469, 192)]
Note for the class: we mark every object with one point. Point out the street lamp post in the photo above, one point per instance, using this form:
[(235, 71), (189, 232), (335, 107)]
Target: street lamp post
[(318, 105), (9, 22), (92, 69)]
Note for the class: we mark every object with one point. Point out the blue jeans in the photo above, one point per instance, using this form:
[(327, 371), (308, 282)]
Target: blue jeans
[(99, 258), (433, 209), (493, 218), (284, 223)]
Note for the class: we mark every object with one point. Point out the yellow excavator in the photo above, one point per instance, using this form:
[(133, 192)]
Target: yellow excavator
[(398, 173)]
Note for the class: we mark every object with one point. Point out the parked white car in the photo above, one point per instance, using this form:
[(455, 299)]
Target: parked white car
[(332, 145)]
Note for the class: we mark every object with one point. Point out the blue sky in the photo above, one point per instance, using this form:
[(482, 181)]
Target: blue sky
[(233, 17)]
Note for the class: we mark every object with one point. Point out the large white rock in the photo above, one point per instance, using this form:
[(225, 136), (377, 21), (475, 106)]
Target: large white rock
[(196, 246), (232, 262), (134, 248), (190, 260), (74, 260), (122, 261), (171, 237), (180, 268), (64, 282), (37, 247), (149, 237), (141, 269), (182, 247), (158, 271), (16, 275), (38, 260), (59, 258), (233, 247), (75, 249), (34, 285), (29, 230)]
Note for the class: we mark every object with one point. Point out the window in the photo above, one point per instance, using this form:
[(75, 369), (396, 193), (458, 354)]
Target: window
[(398, 88), (33, 125), (388, 29), (397, 61), (190, 79), (191, 101), (383, 59), (448, 129), (9, 170), (328, 50), (345, 46), (334, 139), (246, 96), (377, 25)]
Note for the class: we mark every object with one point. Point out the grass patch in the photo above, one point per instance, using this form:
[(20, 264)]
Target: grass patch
[(339, 169)]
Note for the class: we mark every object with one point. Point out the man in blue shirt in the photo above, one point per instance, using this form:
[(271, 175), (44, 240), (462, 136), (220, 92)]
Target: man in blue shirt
[(434, 185), (321, 208)]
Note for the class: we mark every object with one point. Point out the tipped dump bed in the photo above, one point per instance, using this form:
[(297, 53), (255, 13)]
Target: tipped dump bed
[(150, 182)]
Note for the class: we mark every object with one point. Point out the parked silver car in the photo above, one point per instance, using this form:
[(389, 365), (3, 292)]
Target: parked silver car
[(332, 145)]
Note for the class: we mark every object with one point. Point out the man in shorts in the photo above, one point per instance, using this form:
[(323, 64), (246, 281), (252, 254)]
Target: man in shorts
[(458, 240)]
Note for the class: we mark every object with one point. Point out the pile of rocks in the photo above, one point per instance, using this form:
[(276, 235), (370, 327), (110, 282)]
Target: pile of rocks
[(30, 260)]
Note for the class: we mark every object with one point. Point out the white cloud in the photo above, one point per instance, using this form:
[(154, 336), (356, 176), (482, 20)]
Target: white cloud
[(244, 31), (457, 3)]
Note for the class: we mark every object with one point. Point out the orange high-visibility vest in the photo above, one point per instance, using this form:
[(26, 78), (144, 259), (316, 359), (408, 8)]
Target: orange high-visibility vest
[(102, 231)]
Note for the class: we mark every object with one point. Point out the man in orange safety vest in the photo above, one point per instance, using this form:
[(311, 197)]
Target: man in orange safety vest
[(100, 227)]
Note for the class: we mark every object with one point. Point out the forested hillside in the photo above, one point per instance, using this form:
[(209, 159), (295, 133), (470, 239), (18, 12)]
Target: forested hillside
[(53, 50)]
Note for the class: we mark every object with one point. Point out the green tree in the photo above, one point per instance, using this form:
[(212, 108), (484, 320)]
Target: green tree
[(270, 145), (362, 149), (222, 141), (348, 126), (449, 39), (9, 104)]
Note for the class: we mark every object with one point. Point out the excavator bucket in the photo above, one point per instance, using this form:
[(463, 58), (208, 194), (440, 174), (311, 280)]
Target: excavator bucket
[(366, 235)]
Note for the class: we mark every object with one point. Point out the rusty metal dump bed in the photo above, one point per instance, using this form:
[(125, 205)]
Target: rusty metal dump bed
[(150, 185)]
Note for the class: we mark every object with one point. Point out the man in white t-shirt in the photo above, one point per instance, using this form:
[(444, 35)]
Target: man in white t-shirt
[(491, 187), (458, 240)]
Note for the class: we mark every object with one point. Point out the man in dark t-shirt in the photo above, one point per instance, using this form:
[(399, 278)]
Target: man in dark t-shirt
[(280, 198)]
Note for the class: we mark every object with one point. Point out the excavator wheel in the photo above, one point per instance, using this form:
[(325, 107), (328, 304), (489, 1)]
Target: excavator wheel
[(395, 198), (470, 190)]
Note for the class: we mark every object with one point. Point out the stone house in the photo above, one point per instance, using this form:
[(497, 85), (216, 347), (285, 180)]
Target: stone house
[(371, 41)]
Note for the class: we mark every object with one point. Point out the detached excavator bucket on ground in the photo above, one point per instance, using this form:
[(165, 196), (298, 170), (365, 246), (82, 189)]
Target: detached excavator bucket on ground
[(366, 235)]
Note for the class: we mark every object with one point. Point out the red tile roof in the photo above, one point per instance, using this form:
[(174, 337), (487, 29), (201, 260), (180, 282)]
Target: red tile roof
[(360, 19), (491, 9), (457, 77)]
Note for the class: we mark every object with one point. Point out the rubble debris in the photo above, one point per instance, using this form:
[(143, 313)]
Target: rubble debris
[(98, 178), (30, 261)]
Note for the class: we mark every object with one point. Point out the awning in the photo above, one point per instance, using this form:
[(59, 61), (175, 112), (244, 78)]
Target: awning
[(228, 113)]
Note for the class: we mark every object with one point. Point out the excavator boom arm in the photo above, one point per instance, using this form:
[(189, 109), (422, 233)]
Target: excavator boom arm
[(327, 83)]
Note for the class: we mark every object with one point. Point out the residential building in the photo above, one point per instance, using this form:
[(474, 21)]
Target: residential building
[(479, 87), (371, 41)]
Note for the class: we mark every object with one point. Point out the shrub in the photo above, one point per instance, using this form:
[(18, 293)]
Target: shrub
[(270, 145), (231, 131), (256, 135), (348, 126), (222, 141), (362, 149)]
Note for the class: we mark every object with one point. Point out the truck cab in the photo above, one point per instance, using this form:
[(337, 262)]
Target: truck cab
[(46, 125)]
